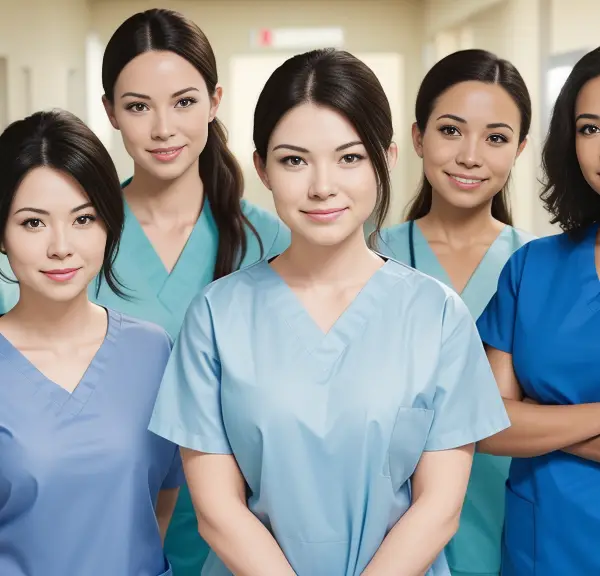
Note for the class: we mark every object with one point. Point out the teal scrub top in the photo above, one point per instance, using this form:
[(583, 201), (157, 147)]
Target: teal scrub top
[(328, 428), (163, 298), (476, 548)]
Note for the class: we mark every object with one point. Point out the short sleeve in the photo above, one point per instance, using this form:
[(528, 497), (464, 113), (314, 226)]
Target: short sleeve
[(496, 324), (188, 407), (9, 291), (467, 404), (175, 476), (281, 242)]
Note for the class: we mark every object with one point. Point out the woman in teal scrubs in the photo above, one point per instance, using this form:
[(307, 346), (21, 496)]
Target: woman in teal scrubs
[(185, 220), (541, 330), (472, 117)]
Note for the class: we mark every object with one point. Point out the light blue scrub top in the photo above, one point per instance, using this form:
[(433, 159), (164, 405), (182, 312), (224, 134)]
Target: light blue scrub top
[(80, 472), (475, 550), (9, 292), (546, 313), (327, 429), (163, 298)]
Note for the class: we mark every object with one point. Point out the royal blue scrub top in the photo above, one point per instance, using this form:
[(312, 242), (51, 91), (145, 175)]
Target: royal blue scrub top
[(546, 313), (79, 472)]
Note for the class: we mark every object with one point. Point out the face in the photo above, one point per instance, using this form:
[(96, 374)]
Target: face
[(587, 132), (53, 238), (162, 108), (470, 143), (323, 183)]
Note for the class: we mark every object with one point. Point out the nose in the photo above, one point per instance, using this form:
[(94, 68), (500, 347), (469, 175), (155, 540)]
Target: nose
[(60, 246), (470, 154), (162, 128), (322, 185)]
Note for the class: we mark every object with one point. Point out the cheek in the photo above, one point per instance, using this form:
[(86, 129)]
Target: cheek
[(438, 152), (502, 160)]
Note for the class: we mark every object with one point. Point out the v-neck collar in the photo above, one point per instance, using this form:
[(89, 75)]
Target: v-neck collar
[(199, 252), (587, 265), (325, 347), (439, 272), (65, 401)]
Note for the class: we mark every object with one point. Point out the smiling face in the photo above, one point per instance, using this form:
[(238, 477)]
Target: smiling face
[(587, 132), (470, 143), (323, 184), (162, 108), (53, 239)]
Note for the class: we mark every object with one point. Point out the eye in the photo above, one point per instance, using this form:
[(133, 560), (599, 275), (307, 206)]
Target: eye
[(33, 223), (351, 158), (292, 161), (137, 107), (85, 219), (498, 139), (449, 131), (589, 129), (186, 102)]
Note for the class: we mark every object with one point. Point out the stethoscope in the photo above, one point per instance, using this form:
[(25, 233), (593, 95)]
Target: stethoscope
[(411, 244)]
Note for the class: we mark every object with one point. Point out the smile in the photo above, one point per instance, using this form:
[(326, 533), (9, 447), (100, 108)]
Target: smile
[(465, 183), (166, 154), (62, 275), (329, 215)]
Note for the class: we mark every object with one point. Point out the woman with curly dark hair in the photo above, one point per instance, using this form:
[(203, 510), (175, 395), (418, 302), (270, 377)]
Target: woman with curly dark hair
[(541, 330)]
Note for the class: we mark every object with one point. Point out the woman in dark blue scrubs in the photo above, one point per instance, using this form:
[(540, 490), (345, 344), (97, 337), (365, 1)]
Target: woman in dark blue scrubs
[(542, 332)]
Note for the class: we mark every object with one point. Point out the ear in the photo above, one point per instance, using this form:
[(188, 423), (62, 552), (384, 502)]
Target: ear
[(261, 169), (417, 139), (521, 147), (215, 101), (110, 112), (392, 156)]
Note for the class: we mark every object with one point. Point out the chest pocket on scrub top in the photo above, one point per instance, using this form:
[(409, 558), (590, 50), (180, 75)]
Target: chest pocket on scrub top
[(407, 442)]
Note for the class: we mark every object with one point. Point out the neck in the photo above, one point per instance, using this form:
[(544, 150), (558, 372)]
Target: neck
[(52, 321), (460, 224), (153, 200), (340, 264)]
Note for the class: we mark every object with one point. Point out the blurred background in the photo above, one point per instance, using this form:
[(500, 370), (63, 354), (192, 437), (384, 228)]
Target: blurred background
[(51, 54)]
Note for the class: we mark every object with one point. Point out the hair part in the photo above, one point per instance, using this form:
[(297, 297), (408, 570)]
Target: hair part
[(567, 196), (166, 30), (340, 81), (59, 140), (469, 66)]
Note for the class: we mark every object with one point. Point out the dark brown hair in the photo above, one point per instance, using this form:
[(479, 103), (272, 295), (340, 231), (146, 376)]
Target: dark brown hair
[(59, 140), (468, 66), (166, 30), (342, 82)]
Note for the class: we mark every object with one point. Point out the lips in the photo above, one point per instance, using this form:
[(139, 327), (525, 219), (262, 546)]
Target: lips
[(166, 150), (61, 274), (464, 179)]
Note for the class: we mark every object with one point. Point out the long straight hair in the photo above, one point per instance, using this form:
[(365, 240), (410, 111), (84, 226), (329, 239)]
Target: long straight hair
[(166, 30), (469, 66)]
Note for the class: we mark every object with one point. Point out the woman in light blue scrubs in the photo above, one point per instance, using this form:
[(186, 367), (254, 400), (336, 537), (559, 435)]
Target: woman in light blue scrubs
[(541, 329), (328, 399), (473, 114), (85, 488), (186, 222)]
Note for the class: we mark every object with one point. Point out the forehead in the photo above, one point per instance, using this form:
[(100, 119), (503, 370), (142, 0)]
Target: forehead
[(314, 127), (48, 189), (478, 102), (588, 99), (156, 72)]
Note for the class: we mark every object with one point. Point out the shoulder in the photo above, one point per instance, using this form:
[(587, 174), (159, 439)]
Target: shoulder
[(274, 235), (394, 240), (140, 333), (521, 237)]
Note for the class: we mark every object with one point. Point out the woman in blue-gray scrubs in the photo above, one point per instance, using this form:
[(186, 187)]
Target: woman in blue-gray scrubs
[(542, 332), (328, 399), (473, 114), (85, 488)]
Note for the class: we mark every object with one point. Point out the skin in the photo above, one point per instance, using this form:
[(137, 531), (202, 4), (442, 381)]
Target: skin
[(472, 132), (53, 226), (537, 429), (161, 101), (315, 161)]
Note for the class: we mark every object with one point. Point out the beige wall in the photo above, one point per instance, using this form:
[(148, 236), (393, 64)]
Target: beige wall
[(574, 25), (44, 44), (392, 27)]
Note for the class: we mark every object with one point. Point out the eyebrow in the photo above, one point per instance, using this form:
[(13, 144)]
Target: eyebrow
[(46, 213), (587, 117), (305, 151), (174, 95), (463, 121)]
